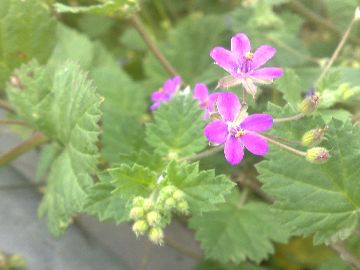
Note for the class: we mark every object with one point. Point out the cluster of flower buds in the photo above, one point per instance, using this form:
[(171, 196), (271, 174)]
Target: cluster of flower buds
[(147, 219), (171, 198)]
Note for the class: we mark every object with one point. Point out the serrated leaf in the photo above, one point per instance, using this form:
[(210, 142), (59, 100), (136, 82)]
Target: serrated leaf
[(317, 199), (116, 8), (177, 130), (153, 161), (237, 232), (202, 188), (106, 204), (289, 85), (26, 32), (47, 156)]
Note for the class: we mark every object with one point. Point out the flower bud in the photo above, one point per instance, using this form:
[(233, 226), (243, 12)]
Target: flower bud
[(140, 227), (153, 218), (148, 204), (183, 207), (309, 104), (313, 137), (156, 235), (317, 155), (16, 261), (169, 203), (168, 190), (136, 212), (178, 195), (138, 201)]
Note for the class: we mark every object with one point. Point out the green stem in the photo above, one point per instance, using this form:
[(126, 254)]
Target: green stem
[(284, 146), (13, 122), (6, 106), (137, 23), (346, 255), (288, 119), (203, 154), (32, 142)]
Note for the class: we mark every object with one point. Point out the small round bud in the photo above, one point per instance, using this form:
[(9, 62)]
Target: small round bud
[(168, 190), (140, 227), (16, 261), (156, 235), (183, 207), (309, 104), (136, 212), (317, 155), (178, 195), (169, 203), (138, 201), (313, 137), (148, 204), (153, 218)]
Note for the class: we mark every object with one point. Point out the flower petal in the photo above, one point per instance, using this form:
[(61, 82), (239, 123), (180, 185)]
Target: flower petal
[(224, 59), (233, 150), (257, 122), (212, 100), (228, 105), (155, 105), (262, 54), (255, 144), (170, 86), (267, 73), (200, 91), (240, 45), (158, 96), (216, 131)]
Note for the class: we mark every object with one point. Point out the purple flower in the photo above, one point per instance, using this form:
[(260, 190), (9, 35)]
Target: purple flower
[(206, 101), (165, 93), (238, 131), (243, 65)]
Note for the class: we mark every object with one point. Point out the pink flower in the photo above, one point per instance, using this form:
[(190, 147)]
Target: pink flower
[(236, 131), (165, 93), (206, 101), (243, 65)]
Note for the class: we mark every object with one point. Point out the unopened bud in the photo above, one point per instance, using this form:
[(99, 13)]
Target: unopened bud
[(156, 235), (168, 190), (309, 104), (138, 201), (317, 155), (178, 195), (183, 207), (16, 261), (313, 137), (148, 204), (169, 203), (153, 218), (136, 212), (140, 227)]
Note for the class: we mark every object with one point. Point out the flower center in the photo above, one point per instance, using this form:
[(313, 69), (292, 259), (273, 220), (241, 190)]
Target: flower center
[(237, 132), (249, 56)]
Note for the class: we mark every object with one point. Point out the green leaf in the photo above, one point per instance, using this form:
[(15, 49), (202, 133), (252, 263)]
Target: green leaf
[(238, 232), (26, 32), (106, 204), (66, 109), (316, 199), (47, 156), (202, 188), (133, 181), (116, 8), (153, 161), (213, 265), (177, 131), (289, 85)]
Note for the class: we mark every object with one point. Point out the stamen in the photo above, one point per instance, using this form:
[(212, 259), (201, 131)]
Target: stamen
[(239, 133), (249, 56)]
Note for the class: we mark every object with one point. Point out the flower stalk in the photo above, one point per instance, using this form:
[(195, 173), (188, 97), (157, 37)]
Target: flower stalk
[(289, 118), (285, 147)]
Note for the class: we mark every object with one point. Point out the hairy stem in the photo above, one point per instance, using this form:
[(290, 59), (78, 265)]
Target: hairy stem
[(284, 146), (203, 154), (137, 23), (346, 255), (6, 106), (301, 9), (183, 250), (288, 119), (32, 142), (336, 52), (13, 122)]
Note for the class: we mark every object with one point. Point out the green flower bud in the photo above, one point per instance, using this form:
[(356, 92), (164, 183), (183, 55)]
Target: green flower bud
[(313, 137), (16, 261), (317, 155), (153, 218), (140, 227), (183, 207), (168, 190), (178, 195), (136, 212), (169, 203), (148, 204), (138, 201), (156, 235), (309, 104)]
